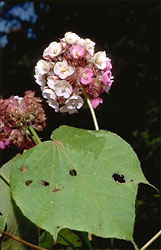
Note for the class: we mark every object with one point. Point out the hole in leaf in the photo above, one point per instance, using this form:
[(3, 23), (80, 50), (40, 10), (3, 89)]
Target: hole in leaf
[(73, 172), (131, 180), (119, 178), (1, 214), (28, 182), (57, 227), (23, 169), (44, 183)]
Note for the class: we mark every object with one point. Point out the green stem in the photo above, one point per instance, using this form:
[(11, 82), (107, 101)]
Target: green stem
[(5, 178), (26, 130), (67, 241), (90, 107), (111, 243), (34, 134), (84, 237)]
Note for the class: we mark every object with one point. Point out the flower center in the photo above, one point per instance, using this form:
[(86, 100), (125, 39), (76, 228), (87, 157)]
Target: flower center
[(74, 102), (63, 87), (98, 61), (55, 50), (85, 76), (64, 69)]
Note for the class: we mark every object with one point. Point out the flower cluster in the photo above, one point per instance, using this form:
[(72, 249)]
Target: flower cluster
[(67, 64), (17, 113)]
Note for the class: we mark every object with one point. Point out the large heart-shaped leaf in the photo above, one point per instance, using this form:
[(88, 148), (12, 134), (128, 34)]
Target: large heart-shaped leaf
[(16, 223), (83, 180)]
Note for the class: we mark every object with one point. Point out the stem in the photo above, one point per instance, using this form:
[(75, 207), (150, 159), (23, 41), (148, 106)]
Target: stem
[(5, 179), (84, 237), (29, 134), (67, 241), (151, 240), (90, 107), (34, 134), (111, 243), (93, 114), (22, 241)]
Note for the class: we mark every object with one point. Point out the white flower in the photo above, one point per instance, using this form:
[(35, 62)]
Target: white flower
[(63, 43), (74, 102), (63, 88), (42, 67), (63, 70), (52, 98), (53, 104), (19, 99), (48, 94), (99, 59), (71, 37), (89, 46), (64, 109), (51, 81), (81, 42), (40, 80), (54, 49)]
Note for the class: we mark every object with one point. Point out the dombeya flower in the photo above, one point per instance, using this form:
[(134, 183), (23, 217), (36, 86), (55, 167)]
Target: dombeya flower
[(106, 77), (63, 70), (18, 113), (53, 50), (65, 66), (89, 46), (42, 67), (99, 60), (96, 101), (77, 51), (74, 102), (86, 76), (63, 88), (71, 37)]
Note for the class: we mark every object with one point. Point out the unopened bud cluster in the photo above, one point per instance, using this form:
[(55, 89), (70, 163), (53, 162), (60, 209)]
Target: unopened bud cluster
[(67, 64), (17, 113)]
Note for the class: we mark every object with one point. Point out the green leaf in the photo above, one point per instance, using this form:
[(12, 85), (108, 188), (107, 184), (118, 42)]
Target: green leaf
[(46, 240), (82, 180), (71, 236), (16, 223), (2, 224)]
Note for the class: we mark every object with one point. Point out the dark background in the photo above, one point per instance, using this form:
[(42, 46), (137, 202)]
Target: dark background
[(129, 31)]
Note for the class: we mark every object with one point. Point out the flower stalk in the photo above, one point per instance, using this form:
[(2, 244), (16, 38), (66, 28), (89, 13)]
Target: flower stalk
[(151, 240), (35, 135), (90, 107)]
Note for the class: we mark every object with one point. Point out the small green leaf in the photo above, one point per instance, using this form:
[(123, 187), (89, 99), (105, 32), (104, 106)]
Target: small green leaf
[(71, 236), (3, 220), (15, 222), (82, 180), (46, 240)]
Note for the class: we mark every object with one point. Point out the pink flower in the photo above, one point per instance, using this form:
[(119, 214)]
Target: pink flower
[(4, 143), (96, 101), (108, 86), (77, 51), (108, 64), (106, 77), (86, 76)]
